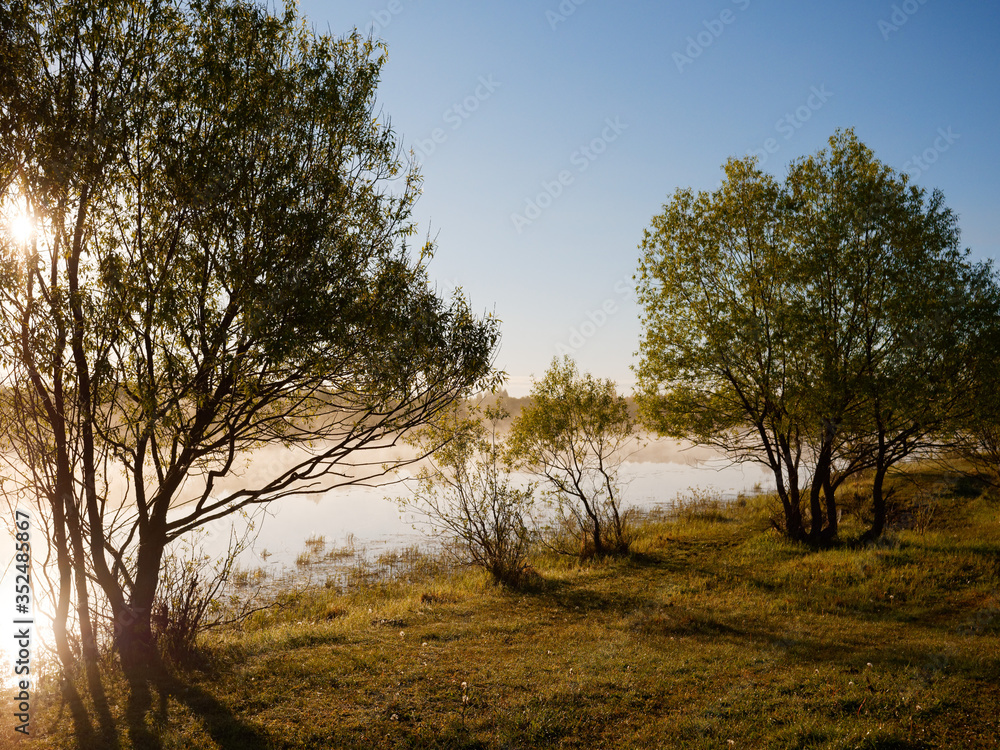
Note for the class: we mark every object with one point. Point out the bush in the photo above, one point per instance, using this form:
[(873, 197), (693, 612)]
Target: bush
[(466, 492), (191, 596), (574, 436)]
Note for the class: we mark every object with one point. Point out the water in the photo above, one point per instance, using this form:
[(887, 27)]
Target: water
[(370, 520)]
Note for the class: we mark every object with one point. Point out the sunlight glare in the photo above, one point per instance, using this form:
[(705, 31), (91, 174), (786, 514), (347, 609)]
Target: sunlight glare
[(21, 228)]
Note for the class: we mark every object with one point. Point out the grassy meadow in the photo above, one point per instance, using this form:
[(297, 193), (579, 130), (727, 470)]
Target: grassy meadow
[(714, 633)]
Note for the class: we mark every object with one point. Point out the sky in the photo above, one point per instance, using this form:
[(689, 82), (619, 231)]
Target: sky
[(550, 132)]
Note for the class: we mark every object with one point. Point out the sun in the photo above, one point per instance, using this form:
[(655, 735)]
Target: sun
[(21, 228)]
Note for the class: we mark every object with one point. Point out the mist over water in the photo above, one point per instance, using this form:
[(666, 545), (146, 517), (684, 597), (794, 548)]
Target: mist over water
[(371, 516), (370, 519)]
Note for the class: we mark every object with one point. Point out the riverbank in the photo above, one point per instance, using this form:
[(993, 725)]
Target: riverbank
[(716, 632)]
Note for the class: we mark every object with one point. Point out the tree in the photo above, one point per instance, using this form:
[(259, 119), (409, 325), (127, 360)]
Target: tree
[(978, 438), (220, 263), (822, 326), (466, 491), (719, 350), (574, 435), (898, 316)]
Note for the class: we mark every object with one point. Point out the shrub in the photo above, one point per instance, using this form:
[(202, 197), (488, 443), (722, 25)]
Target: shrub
[(466, 492)]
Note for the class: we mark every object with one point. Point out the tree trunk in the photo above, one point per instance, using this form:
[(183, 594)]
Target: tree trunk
[(794, 528), (821, 478), (65, 569), (619, 530), (815, 506), (878, 505), (878, 497), (598, 541), (88, 639), (832, 522), (775, 459), (133, 624)]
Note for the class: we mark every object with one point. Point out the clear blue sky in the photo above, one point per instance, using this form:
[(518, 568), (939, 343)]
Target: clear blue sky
[(551, 132)]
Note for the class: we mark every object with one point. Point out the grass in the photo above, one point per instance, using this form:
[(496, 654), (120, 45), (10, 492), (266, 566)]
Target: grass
[(715, 633), (241, 578)]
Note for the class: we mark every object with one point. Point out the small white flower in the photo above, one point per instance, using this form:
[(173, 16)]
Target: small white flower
[(401, 633)]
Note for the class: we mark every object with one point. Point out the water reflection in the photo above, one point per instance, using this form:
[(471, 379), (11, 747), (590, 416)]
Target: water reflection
[(370, 520)]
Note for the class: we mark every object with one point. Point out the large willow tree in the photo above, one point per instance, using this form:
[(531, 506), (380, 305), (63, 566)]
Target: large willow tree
[(824, 325), (218, 263)]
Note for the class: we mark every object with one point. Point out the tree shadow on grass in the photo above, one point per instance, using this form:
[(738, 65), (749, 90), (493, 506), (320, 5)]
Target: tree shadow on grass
[(90, 735), (848, 650), (145, 721), (83, 727), (572, 596)]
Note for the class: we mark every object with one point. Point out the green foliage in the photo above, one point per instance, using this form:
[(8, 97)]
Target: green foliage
[(978, 443), (220, 262), (822, 326), (574, 435), (466, 491)]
